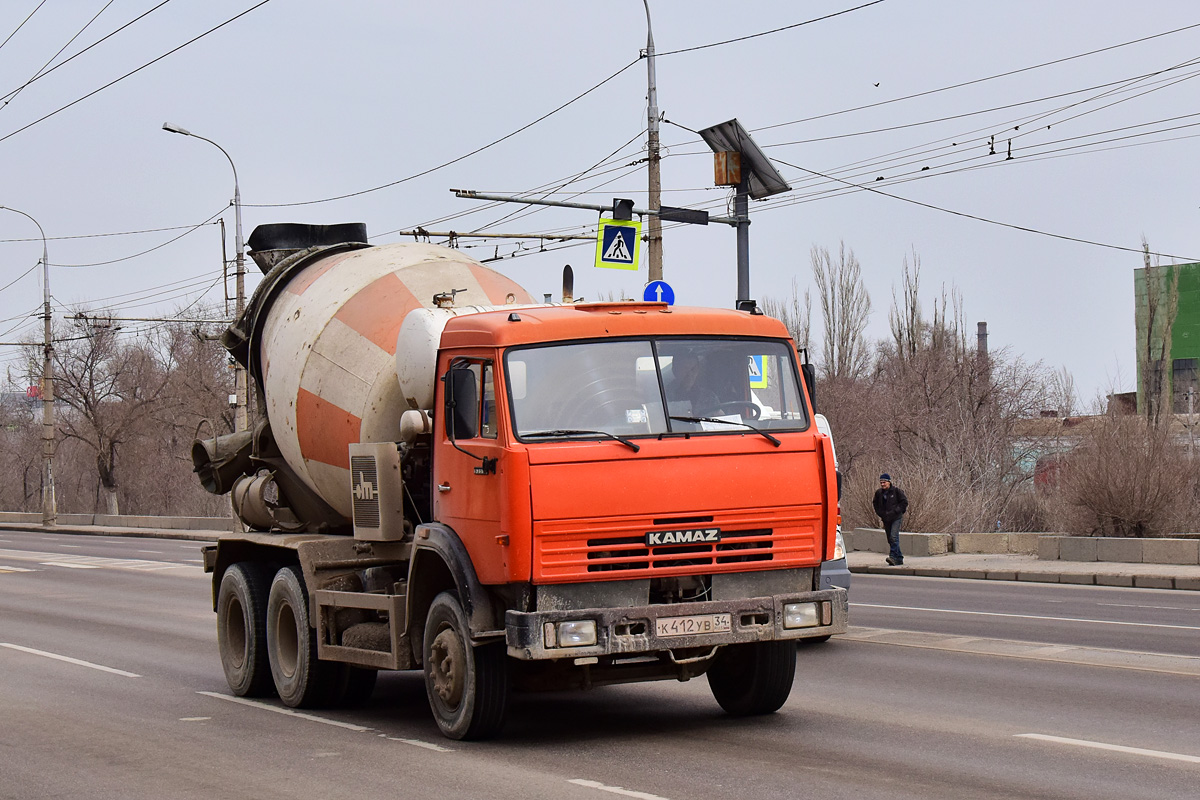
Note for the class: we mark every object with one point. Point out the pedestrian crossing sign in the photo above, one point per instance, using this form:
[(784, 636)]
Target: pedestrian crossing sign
[(758, 372), (618, 244)]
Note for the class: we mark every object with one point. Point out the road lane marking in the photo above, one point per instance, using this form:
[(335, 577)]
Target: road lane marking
[(152, 552), (69, 660), (1034, 651), (194, 719), (1116, 748), (1155, 608), (1029, 616), (75, 546), (291, 712), (15, 569), (615, 789), (71, 561), (437, 748)]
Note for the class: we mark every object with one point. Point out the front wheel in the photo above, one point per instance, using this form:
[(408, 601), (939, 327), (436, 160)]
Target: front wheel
[(750, 679), (467, 685)]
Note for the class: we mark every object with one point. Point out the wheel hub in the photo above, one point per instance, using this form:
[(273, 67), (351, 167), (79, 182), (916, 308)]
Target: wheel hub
[(448, 663)]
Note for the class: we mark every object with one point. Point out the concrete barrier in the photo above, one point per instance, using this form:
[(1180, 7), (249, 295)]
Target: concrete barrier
[(918, 545), (1120, 550), (997, 543)]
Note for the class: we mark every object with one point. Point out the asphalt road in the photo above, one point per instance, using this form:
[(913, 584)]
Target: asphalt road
[(919, 701)]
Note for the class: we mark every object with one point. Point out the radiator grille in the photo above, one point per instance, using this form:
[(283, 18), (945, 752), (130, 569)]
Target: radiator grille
[(631, 553)]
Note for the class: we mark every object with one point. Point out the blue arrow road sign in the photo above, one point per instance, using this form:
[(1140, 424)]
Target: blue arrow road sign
[(659, 292)]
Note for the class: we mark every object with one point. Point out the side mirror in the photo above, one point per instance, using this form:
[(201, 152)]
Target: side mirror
[(462, 404), (810, 383)]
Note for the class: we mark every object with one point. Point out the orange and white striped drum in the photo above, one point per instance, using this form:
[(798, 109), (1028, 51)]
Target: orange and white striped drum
[(329, 356)]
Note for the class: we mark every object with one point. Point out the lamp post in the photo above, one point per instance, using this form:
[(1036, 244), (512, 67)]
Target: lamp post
[(241, 422), (653, 158), (49, 505)]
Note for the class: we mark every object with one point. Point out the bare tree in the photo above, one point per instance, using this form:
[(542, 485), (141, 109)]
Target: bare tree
[(794, 312), (1154, 353), (845, 310), (1126, 476), (110, 385), (942, 418), (904, 318)]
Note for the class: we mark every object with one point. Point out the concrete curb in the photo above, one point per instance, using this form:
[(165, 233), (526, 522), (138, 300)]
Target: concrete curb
[(136, 533), (1154, 581)]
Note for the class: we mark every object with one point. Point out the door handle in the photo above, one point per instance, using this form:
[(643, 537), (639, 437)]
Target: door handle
[(443, 487)]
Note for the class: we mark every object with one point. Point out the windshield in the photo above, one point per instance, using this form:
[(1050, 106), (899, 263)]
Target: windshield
[(649, 387)]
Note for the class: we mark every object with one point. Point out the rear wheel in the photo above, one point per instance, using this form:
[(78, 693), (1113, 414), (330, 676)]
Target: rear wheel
[(301, 680), (467, 685), (749, 679), (241, 630)]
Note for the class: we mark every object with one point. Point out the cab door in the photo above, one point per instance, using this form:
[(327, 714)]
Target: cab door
[(467, 464)]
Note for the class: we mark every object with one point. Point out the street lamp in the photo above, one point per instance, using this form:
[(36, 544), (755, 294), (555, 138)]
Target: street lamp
[(241, 422), (49, 505)]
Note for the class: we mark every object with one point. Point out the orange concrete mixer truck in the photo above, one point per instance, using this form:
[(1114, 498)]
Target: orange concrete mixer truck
[(510, 496)]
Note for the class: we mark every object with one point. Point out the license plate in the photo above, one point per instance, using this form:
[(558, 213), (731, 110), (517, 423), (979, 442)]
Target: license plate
[(690, 626)]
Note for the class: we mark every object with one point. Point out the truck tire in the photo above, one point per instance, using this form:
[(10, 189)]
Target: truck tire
[(301, 680), (241, 630), (467, 685), (749, 679)]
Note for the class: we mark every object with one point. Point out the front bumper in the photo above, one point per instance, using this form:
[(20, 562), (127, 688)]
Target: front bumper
[(632, 630)]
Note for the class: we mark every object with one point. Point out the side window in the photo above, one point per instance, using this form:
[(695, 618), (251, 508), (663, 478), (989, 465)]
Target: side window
[(488, 425), (472, 390)]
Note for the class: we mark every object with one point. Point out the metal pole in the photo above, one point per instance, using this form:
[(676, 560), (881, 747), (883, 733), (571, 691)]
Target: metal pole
[(741, 211), (241, 417), (241, 420), (49, 503), (654, 224)]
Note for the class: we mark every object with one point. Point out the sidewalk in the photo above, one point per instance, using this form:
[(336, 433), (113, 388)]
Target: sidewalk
[(1030, 568)]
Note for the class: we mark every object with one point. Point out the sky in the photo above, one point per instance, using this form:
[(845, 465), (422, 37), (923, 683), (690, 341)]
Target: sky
[(881, 115)]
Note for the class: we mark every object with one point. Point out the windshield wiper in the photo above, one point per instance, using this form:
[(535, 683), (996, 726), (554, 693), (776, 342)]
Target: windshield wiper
[(759, 431), (613, 436)]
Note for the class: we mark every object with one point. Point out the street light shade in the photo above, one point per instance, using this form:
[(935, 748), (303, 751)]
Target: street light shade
[(176, 129)]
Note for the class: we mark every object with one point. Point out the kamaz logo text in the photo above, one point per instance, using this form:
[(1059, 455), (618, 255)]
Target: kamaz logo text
[(656, 538)]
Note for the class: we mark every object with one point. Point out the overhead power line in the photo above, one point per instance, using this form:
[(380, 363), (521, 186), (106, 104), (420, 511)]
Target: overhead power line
[(172, 240), (22, 25), (11, 93), (768, 33), (134, 72), (985, 219), (445, 164), (978, 80)]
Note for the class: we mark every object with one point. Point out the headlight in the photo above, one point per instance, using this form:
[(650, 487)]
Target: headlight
[(801, 615), (576, 633), (839, 546)]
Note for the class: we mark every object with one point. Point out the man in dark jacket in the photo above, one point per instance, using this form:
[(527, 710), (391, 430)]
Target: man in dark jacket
[(890, 505)]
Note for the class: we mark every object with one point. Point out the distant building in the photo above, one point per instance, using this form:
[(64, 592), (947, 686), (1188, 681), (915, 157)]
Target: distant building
[(1178, 373)]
